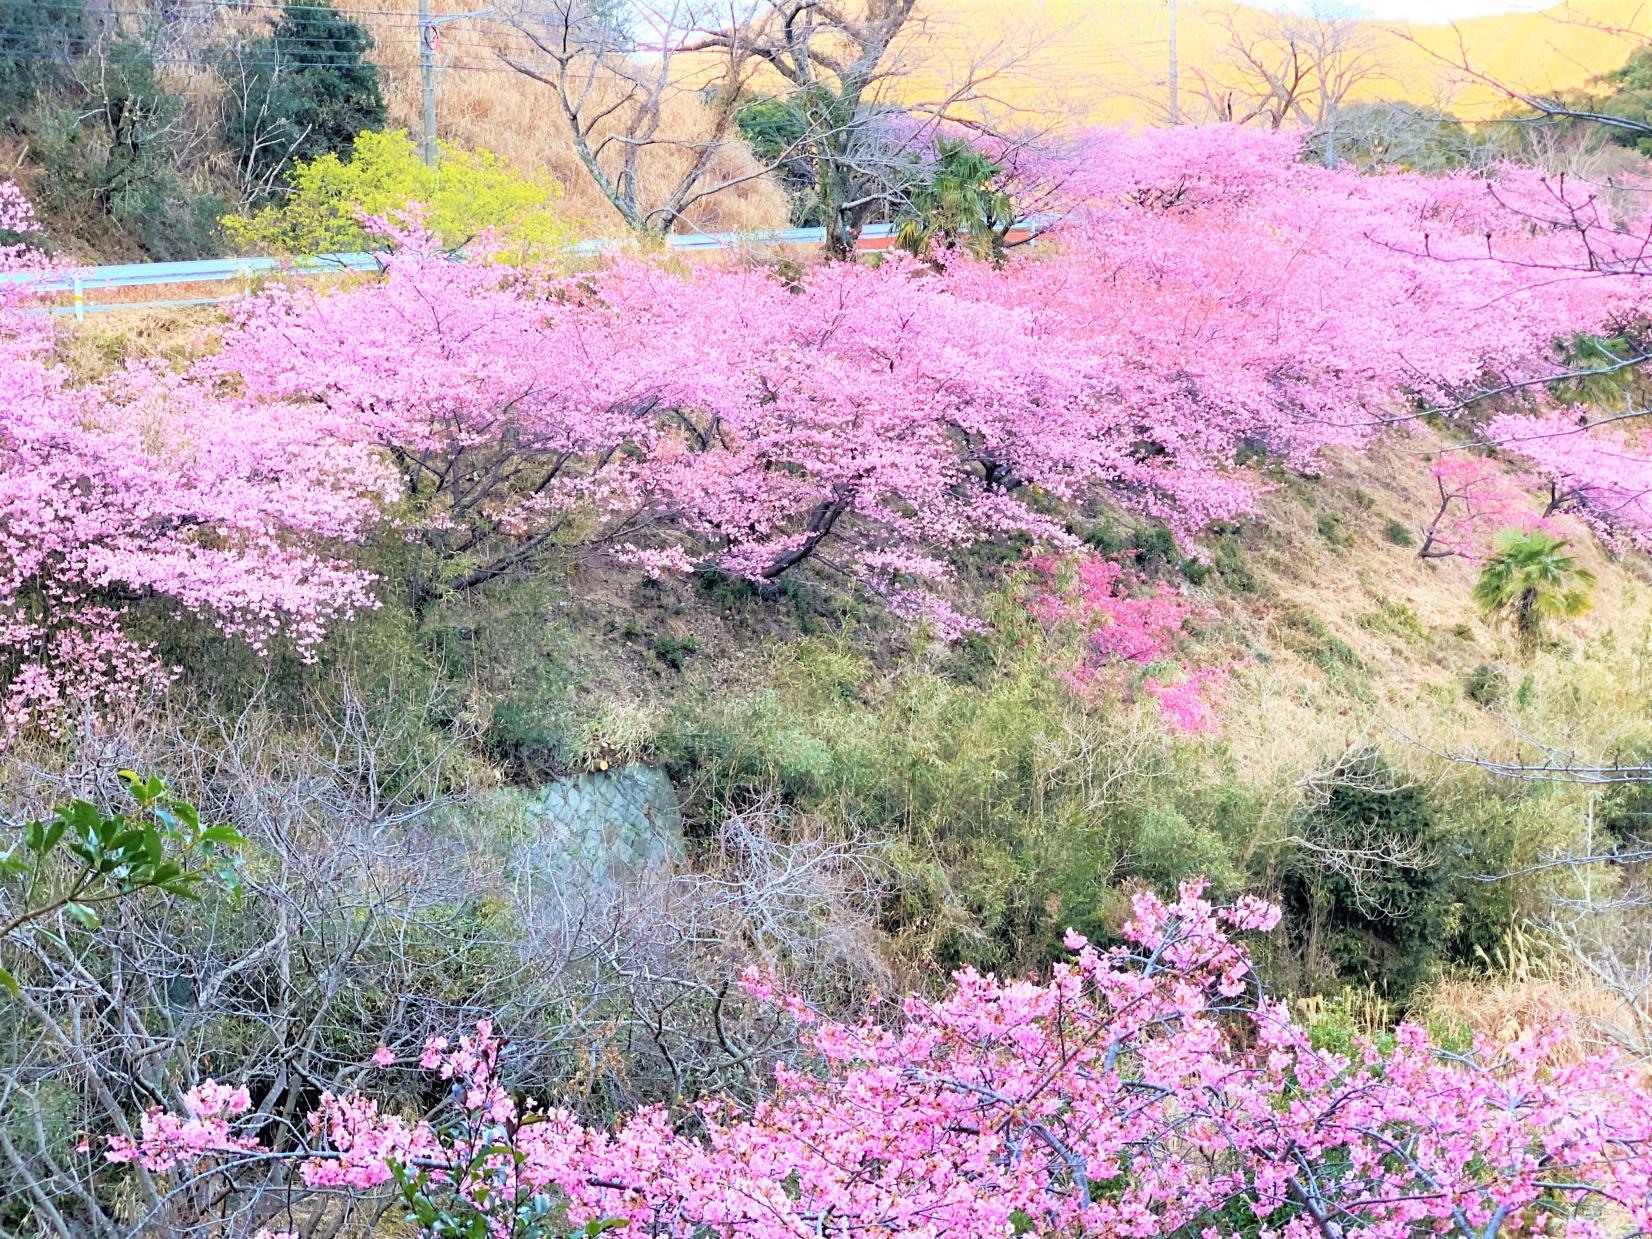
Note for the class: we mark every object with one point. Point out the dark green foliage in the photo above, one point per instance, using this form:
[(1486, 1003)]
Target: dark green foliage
[(1332, 530), (1370, 884), (1228, 557), (112, 141), (673, 652), (959, 203), (115, 142), (1408, 136), (1627, 92), (307, 89), (1398, 533), (1154, 545), (503, 644), (1486, 685), (1624, 814), (775, 130), (39, 43), (1598, 363), (770, 127)]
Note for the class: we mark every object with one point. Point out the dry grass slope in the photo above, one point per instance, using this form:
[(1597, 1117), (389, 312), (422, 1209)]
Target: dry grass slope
[(482, 102)]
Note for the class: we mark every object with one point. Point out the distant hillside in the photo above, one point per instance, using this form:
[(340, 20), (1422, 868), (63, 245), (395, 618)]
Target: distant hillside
[(1106, 60)]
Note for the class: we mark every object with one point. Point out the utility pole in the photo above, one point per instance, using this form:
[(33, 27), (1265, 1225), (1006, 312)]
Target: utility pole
[(1175, 100), (427, 69), (427, 72)]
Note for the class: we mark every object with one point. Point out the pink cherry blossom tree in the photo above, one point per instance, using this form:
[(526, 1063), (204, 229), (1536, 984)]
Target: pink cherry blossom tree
[(149, 488), (1214, 303), (1478, 498), (1598, 467), (1147, 1089)]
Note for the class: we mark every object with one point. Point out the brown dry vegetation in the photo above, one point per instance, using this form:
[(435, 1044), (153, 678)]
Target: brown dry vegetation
[(482, 102), (1350, 637)]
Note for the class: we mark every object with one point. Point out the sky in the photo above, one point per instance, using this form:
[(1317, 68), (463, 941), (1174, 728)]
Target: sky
[(1443, 10)]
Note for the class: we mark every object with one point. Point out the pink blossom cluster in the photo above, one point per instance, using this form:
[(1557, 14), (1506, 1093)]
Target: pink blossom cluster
[(167, 1140), (1146, 1089), (1132, 627), (154, 487), (1601, 469), (1212, 301), (1477, 498)]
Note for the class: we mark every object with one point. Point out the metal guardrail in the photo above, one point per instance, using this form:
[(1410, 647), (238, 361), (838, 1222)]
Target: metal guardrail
[(79, 281)]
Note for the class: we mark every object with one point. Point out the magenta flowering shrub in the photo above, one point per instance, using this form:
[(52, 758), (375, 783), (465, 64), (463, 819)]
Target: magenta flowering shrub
[(1131, 629), (1148, 1089)]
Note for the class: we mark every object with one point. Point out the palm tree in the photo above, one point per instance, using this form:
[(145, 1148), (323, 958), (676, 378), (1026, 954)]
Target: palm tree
[(1530, 579), (960, 205)]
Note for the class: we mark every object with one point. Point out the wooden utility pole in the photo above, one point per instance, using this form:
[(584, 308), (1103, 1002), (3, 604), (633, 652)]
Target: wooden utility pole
[(1175, 69), (427, 72)]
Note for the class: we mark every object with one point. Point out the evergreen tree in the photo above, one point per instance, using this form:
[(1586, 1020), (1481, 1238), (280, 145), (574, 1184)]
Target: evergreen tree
[(37, 46), (305, 90)]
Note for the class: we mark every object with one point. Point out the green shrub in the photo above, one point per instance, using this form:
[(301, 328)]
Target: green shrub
[(673, 652), (38, 46), (1332, 530), (1015, 807), (1398, 532), (112, 142), (1228, 557), (1486, 685), (1394, 618), (1370, 883)]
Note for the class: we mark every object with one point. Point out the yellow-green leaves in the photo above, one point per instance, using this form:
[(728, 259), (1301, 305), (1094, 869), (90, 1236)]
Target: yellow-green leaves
[(467, 193)]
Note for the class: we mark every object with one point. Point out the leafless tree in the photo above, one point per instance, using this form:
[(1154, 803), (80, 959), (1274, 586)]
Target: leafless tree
[(1289, 68), (850, 69), (647, 99), (370, 918), (859, 131)]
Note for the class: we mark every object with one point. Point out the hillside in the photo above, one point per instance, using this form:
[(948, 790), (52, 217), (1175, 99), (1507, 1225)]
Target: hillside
[(1141, 733), (1108, 63)]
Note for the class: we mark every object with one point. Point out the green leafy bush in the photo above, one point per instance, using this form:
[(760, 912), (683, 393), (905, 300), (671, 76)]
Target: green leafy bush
[(466, 193), (1486, 685), (1398, 533), (81, 860)]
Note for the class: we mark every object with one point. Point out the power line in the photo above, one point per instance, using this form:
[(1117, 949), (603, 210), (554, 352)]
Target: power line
[(204, 40), (287, 63), (230, 8), (1175, 99)]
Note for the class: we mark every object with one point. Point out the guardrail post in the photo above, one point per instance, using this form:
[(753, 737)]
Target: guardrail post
[(80, 301)]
